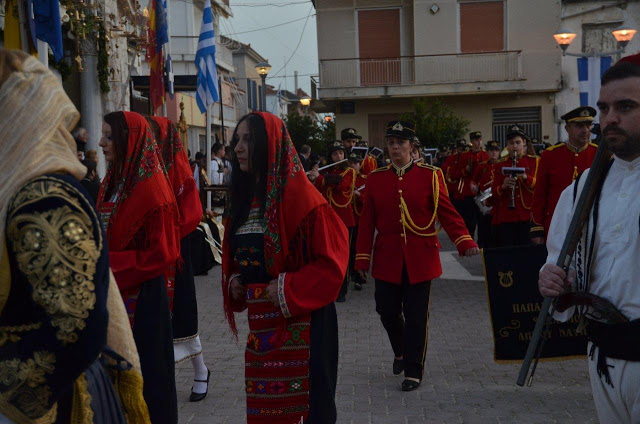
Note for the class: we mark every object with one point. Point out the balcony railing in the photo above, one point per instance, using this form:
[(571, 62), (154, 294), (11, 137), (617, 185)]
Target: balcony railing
[(414, 70)]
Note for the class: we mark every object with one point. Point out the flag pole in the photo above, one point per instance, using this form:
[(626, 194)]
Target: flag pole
[(221, 111), (208, 123)]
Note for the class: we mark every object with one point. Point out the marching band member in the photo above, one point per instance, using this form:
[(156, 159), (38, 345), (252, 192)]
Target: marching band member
[(513, 195), (356, 162), (463, 171), (480, 181), (403, 209), (336, 184), (559, 166)]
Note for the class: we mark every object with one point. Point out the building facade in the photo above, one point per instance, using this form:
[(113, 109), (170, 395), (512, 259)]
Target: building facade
[(493, 62)]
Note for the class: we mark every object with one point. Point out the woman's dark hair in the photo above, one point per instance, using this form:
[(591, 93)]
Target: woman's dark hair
[(245, 186), (120, 140), (313, 163)]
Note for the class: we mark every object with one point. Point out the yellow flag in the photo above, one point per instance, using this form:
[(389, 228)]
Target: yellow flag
[(12, 25), (12, 39)]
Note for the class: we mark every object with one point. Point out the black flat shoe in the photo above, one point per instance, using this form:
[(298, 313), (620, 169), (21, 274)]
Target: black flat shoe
[(398, 366), (197, 397), (357, 286), (410, 385)]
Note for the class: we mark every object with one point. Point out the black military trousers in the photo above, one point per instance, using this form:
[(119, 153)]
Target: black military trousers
[(513, 234), (486, 236), (404, 312), (469, 212)]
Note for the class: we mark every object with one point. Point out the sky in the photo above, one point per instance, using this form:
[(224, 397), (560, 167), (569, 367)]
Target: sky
[(279, 43)]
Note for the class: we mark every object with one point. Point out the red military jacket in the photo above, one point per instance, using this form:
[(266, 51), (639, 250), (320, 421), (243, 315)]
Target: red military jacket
[(452, 184), (523, 192), (459, 171), (559, 166), (403, 205), (369, 164), (361, 181), (339, 195)]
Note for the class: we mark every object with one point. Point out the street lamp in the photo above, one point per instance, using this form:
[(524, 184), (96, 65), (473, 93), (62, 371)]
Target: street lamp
[(305, 100), (263, 69), (623, 34)]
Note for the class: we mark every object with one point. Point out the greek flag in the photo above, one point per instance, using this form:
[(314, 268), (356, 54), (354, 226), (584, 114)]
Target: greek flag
[(207, 90), (590, 71)]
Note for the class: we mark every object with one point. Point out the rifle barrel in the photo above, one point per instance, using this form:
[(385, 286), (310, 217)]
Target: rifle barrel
[(581, 213)]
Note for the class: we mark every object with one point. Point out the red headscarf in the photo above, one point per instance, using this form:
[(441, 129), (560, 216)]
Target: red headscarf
[(145, 188), (290, 198), (178, 169)]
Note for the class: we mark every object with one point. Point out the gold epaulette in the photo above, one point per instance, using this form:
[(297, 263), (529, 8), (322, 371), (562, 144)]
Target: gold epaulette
[(593, 144), (427, 166), (384, 168), (555, 146), (533, 156), (504, 159)]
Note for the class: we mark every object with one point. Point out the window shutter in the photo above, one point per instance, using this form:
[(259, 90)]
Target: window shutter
[(481, 27)]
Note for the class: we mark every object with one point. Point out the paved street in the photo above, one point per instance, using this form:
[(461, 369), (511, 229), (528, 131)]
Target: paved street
[(462, 384)]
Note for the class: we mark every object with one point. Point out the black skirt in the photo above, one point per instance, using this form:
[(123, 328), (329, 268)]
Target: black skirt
[(185, 305), (154, 340), (323, 366), (201, 257)]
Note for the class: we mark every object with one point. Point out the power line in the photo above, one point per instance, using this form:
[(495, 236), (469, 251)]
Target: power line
[(299, 41), (269, 4), (275, 38), (273, 26)]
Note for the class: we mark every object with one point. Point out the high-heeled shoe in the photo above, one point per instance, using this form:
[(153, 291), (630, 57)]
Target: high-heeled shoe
[(197, 397)]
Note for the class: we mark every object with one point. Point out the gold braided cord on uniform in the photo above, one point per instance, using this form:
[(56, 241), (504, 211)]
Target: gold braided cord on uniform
[(350, 191), (405, 216)]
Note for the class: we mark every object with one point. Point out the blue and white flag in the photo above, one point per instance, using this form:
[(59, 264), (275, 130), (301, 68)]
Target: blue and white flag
[(170, 79), (590, 71), (207, 89)]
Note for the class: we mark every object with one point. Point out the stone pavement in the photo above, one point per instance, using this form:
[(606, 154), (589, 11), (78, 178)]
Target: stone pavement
[(462, 384)]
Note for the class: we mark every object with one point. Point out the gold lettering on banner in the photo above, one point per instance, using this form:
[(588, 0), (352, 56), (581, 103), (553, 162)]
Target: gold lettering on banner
[(504, 331), (521, 308), (505, 279)]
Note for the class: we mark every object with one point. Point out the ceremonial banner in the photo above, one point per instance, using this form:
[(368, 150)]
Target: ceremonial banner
[(511, 276)]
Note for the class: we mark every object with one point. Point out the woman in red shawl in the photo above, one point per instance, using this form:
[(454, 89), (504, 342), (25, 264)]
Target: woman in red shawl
[(186, 341), (284, 258), (140, 215)]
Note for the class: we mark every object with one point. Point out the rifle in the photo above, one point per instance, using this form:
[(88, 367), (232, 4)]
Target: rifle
[(592, 187)]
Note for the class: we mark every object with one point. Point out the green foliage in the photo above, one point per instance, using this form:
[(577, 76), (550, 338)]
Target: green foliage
[(103, 60), (437, 125), (62, 67), (304, 130)]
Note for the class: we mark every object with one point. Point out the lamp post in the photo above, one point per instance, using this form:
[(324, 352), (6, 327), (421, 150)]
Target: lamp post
[(623, 35), (305, 101), (263, 69)]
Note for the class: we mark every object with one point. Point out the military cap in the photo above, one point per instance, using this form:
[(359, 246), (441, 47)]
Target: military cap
[(462, 143), (402, 129), (634, 59), (354, 157), (515, 130), (335, 146), (348, 133), (362, 143), (475, 134), (493, 145), (580, 114)]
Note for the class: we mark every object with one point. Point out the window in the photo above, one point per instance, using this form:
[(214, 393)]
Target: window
[(379, 46), (529, 118), (481, 26), (598, 37)]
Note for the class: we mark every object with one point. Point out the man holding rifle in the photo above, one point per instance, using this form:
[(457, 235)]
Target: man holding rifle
[(605, 264)]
